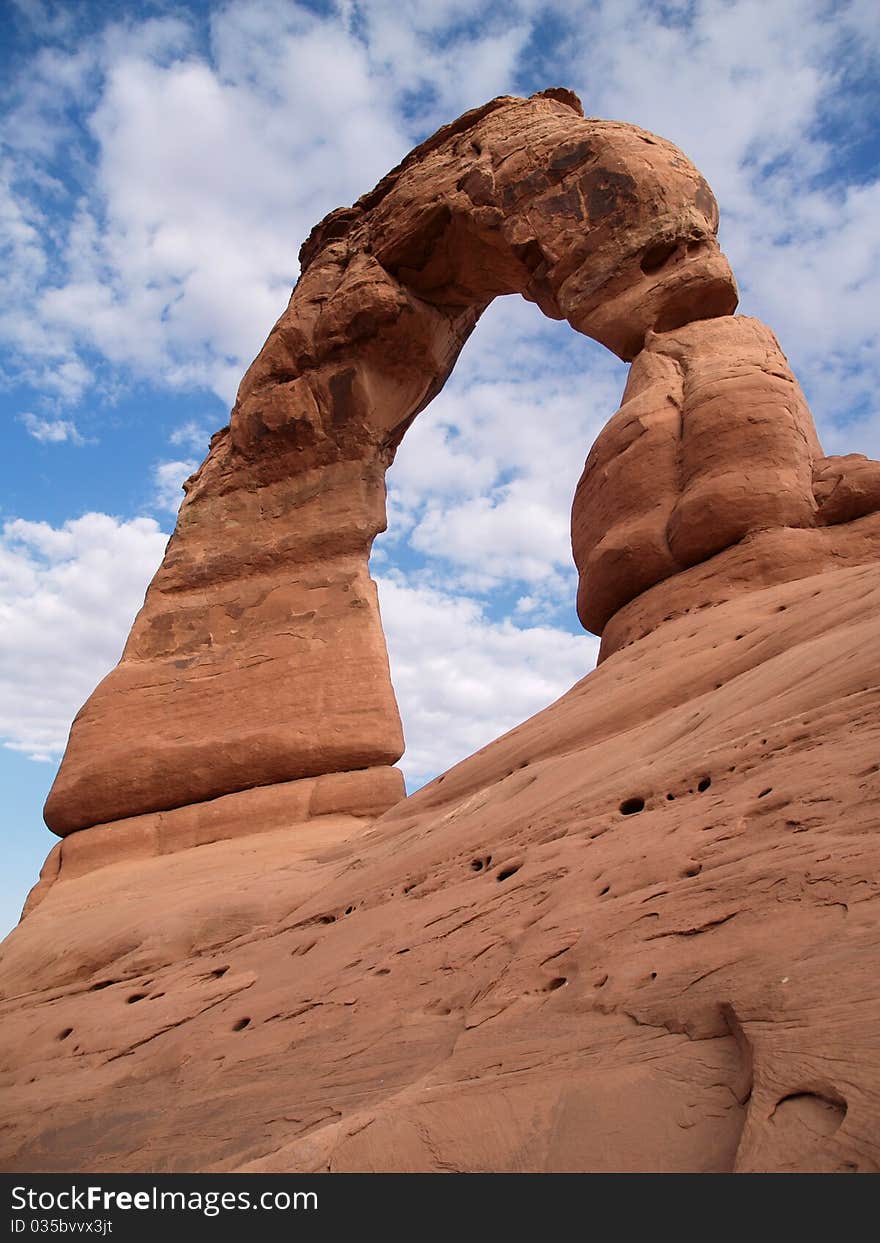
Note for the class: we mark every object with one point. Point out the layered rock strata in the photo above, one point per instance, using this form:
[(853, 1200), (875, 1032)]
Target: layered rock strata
[(361, 795)]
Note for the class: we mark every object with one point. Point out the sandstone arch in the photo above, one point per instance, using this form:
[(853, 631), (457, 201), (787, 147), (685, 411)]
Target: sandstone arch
[(258, 658), (662, 882)]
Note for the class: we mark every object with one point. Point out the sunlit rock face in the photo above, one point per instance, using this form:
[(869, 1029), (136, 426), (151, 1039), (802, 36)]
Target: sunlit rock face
[(711, 461), (637, 932), (259, 657)]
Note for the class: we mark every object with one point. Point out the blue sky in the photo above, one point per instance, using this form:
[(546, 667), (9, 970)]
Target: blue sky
[(158, 172)]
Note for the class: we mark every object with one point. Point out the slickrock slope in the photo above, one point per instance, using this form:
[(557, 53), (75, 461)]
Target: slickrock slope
[(515, 969), (640, 931)]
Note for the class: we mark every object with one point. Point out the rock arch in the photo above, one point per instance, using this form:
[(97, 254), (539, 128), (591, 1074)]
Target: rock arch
[(255, 681)]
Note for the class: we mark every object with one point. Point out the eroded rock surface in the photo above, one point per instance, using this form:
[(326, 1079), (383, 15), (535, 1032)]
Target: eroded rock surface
[(640, 931), (714, 440)]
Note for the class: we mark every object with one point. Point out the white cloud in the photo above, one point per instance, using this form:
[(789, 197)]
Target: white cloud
[(860, 435), (51, 431), (212, 162), (508, 537), (182, 247), (753, 93), (168, 478), (193, 434), (40, 17), (443, 58), (68, 596), (462, 679), (482, 484)]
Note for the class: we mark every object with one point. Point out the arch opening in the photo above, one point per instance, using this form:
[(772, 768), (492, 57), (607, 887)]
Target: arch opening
[(477, 586)]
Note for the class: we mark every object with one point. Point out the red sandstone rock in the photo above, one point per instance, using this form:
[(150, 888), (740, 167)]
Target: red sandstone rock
[(638, 932), (515, 969), (846, 488), (258, 657), (713, 440), (762, 558), (361, 795)]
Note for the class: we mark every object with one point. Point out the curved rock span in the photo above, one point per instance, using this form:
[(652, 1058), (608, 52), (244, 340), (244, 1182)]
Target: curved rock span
[(258, 657), (639, 931)]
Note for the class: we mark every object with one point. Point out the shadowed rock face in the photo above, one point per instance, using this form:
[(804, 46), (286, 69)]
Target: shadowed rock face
[(638, 932)]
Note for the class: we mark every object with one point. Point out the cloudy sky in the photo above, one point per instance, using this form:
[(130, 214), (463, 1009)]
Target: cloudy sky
[(158, 172)]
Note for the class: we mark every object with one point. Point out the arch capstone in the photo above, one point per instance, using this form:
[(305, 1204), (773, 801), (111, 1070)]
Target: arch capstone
[(255, 681)]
